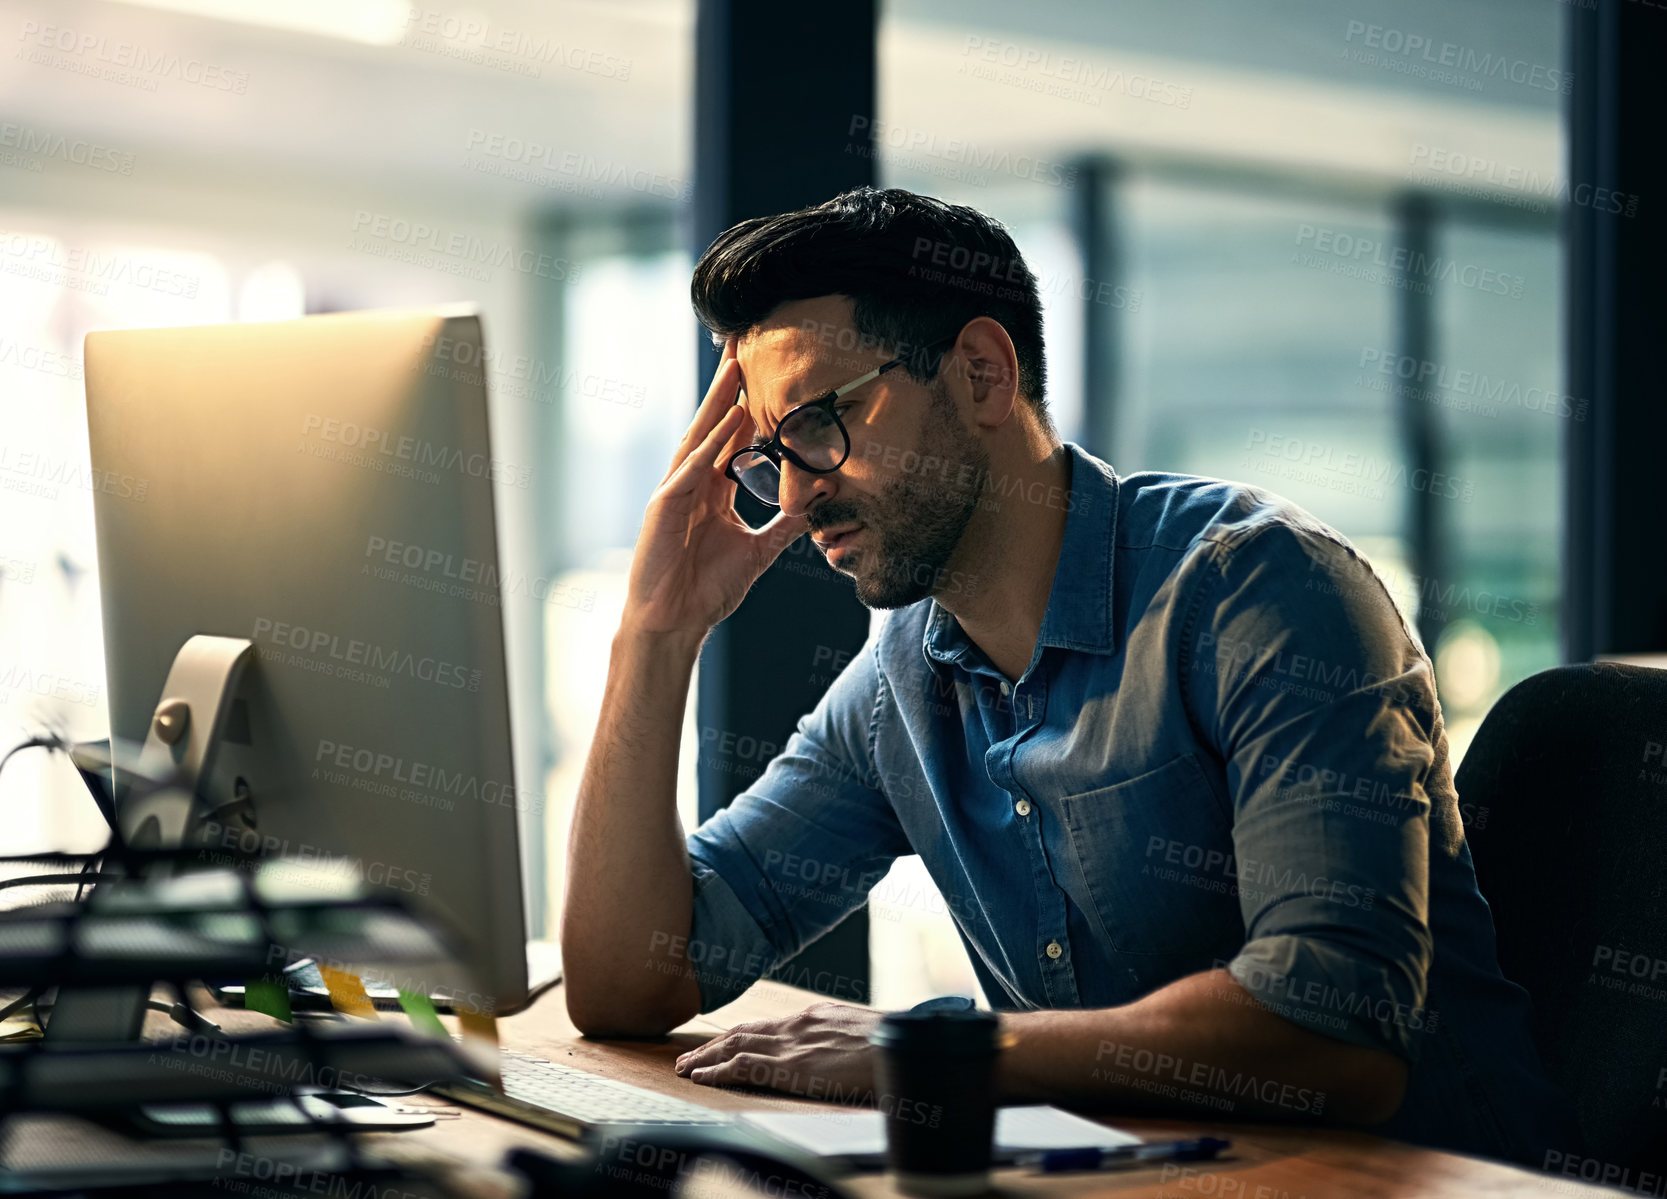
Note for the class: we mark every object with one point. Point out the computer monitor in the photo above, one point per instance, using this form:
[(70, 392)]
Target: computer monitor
[(322, 487)]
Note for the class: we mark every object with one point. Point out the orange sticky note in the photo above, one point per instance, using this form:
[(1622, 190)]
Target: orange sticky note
[(347, 993), (480, 1037)]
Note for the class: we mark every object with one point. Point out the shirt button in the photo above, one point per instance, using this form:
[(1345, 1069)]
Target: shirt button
[(1054, 950), (1005, 689), (1022, 807)]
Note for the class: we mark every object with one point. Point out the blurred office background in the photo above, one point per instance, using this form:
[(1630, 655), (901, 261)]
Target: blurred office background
[(1312, 246)]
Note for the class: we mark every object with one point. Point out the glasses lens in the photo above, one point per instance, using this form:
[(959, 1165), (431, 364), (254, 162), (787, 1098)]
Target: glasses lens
[(759, 476), (816, 437)]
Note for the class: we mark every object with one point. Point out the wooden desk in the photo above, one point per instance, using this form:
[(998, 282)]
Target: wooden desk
[(1266, 1161)]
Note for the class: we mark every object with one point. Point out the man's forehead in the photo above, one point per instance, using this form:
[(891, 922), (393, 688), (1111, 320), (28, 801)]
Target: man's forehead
[(784, 365), (777, 351)]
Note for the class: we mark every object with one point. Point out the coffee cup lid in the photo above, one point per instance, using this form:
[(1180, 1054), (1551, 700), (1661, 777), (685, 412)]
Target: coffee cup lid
[(938, 1031)]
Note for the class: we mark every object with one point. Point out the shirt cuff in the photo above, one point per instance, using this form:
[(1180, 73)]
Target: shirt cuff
[(1335, 992), (727, 950)]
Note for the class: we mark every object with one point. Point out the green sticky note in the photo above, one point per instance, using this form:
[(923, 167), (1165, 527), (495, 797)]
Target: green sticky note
[(421, 1010), (268, 996)]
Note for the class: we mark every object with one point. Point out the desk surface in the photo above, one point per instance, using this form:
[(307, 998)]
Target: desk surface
[(1266, 1161)]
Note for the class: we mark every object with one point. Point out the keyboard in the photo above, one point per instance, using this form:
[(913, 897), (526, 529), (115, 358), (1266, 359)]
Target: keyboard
[(570, 1102)]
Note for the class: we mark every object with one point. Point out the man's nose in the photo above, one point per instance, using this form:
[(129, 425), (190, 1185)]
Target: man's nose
[(800, 489)]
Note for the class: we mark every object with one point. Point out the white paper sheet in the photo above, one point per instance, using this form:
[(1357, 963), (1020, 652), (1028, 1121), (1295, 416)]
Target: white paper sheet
[(859, 1135)]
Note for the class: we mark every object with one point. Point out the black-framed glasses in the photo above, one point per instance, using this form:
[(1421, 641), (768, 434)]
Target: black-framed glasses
[(811, 436)]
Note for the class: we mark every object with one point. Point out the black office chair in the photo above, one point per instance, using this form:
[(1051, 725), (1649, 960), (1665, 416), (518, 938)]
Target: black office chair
[(1564, 792)]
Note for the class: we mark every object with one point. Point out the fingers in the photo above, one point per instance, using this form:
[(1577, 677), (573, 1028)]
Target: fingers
[(720, 397), (725, 386), (746, 1070), (744, 432), (719, 402), (721, 1049), (710, 454)]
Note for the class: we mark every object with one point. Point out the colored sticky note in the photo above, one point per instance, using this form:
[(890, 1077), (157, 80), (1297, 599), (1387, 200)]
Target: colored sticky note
[(270, 996), (347, 993), (421, 1010), (480, 1025), (480, 1038)]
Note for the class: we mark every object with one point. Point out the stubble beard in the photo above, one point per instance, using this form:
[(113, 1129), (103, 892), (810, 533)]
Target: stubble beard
[(918, 521)]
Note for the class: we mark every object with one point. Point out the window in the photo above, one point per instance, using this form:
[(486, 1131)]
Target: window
[(1271, 253), (627, 397)]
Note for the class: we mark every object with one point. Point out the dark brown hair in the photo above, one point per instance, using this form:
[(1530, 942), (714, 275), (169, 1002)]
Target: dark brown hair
[(916, 270)]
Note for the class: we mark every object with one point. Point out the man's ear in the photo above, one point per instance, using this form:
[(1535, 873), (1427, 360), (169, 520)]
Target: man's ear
[(985, 358)]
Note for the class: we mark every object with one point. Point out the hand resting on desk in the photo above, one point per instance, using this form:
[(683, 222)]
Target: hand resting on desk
[(820, 1053)]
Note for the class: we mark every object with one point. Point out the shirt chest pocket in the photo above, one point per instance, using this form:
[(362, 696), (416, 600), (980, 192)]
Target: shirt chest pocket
[(1154, 860)]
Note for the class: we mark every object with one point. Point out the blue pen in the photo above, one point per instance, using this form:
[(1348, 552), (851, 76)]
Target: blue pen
[(1057, 1161)]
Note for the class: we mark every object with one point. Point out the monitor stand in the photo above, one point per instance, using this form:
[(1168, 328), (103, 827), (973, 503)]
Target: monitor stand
[(182, 740)]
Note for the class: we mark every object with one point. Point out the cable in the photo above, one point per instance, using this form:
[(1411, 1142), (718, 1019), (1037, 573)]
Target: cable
[(87, 871), (183, 1013), (48, 741), (47, 880), (53, 741), (29, 997)]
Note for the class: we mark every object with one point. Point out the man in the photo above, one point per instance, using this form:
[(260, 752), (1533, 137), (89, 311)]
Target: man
[(1163, 742)]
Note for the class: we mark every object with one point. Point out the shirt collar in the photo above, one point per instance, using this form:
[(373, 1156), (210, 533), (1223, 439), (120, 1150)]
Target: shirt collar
[(1078, 615)]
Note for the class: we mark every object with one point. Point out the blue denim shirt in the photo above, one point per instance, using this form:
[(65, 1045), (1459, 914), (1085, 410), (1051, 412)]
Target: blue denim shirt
[(1226, 751)]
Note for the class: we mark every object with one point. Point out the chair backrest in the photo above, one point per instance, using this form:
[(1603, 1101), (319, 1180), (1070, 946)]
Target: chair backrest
[(1565, 790)]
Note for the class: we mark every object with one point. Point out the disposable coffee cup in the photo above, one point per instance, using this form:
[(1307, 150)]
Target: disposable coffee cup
[(936, 1075)]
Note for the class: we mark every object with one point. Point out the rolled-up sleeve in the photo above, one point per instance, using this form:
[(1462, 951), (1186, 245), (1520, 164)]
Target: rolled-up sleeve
[(1323, 708), (798, 850)]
